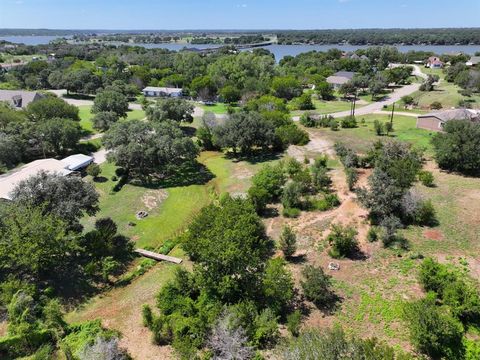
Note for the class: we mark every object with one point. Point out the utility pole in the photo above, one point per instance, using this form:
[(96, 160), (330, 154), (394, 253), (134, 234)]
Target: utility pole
[(354, 102), (391, 117)]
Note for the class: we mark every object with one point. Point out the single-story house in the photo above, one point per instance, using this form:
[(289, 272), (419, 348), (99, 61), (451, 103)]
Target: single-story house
[(162, 91), (474, 61), (434, 62), (340, 78), (19, 98), (436, 120), (65, 167)]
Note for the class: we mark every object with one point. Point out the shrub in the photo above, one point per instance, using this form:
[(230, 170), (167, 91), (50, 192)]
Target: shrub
[(425, 214), (308, 120), (433, 331), (94, 170), (388, 127), (426, 178), (293, 322), (291, 212), (329, 201), (379, 128), (288, 241), (349, 122), (291, 197), (390, 225), (333, 125), (343, 241), (266, 329), (372, 235), (352, 177), (292, 135), (316, 286), (436, 105)]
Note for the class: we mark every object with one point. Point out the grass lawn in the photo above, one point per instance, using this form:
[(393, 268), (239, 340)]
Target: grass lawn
[(168, 208), (86, 117), (218, 108), (446, 93), (361, 138)]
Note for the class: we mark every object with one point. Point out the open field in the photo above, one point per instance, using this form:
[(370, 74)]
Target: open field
[(446, 93), (364, 135)]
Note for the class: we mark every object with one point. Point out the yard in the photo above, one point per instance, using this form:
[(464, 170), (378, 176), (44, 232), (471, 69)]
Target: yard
[(361, 138), (217, 108), (170, 210), (86, 117), (445, 93)]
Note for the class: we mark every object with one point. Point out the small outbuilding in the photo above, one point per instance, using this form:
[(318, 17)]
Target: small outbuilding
[(77, 162), (152, 91), (435, 121)]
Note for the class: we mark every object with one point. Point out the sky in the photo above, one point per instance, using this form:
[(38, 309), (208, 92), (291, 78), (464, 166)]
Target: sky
[(237, 14)]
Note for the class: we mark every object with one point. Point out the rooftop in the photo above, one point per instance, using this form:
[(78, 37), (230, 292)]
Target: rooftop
[(19, 98), (166, 90), (77, 161), (10, 180), (456, 114)]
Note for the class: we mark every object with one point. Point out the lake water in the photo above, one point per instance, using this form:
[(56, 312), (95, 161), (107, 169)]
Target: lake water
[(279, 51)]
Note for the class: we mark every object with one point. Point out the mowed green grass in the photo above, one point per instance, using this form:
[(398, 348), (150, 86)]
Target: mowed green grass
[(445, 93), (86, 117), (218, 108), (361, 137), (170, 210)]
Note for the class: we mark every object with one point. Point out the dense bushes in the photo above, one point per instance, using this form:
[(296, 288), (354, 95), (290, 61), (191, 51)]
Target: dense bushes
[(438, 321), (233, 278), (316, 286), (343, 241), (456, 149)]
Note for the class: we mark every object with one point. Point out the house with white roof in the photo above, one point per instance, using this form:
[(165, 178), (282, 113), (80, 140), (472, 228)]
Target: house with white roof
[(152, 91), (64, 167)]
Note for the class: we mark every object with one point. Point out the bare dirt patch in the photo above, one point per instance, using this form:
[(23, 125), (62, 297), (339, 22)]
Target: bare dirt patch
[(433, 234), (153, 198)]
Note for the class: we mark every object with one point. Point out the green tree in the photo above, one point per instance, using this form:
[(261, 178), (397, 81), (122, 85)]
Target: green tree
[(433, 331), (178, 110), (144, 149), (67, 197), (316, 286), (277, 286), (245, 131), (94, 170), (52, 107), (286, 87), (343, 241), (288, 241), (102, 121), (35, 245), (455, 148), (230, 94), (110, 100), (57, 136), (229, 246)]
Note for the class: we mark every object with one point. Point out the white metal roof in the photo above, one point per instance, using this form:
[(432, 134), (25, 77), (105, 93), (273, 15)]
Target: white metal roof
[(166, 90), (77, 161), (10, 180)]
